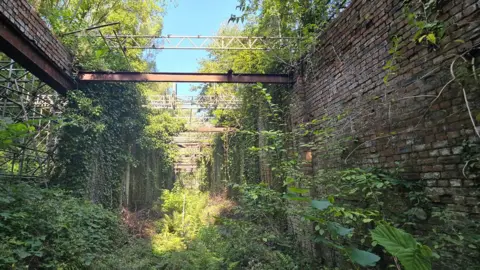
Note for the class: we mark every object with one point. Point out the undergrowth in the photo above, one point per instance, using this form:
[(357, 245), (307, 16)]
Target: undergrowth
[(204, 232), (45, 228), (49, 229)]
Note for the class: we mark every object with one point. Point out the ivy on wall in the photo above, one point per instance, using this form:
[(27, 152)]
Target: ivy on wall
[(100, 122)]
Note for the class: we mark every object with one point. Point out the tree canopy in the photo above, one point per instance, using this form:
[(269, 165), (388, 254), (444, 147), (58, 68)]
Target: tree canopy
[(133, 17)]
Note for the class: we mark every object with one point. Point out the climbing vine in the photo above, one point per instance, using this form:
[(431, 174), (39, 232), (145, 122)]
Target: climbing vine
[(99, 124), (423, 15)]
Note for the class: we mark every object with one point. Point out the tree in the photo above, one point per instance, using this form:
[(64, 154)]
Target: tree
[(134, 18)]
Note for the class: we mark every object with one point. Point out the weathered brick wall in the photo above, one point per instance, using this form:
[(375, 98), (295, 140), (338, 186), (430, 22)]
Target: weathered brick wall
[(393, 124), (24, 17)]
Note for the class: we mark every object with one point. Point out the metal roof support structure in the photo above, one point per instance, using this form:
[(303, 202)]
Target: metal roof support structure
[(24, 98), (194, 102), (173, 42)]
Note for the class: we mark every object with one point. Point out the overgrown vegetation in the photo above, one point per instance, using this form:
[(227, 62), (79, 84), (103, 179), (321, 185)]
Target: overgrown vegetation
[(109, 151), (70, 20), (202, 232), (50, 229), (254, 204), (366, 216)]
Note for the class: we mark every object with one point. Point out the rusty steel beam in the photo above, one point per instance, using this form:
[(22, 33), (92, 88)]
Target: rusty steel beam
[(183, 77), (16, 46)]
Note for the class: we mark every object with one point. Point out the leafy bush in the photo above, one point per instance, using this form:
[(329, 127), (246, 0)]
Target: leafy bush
[(167, 242), (46, 228), (456, 239), (183, 210), (233, 244), (258, 202), (254, 237), (136, 254), (197, 256)]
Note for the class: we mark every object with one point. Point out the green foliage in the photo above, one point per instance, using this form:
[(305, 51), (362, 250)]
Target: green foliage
[(391, 64), (305, 19), (358, 198), (135, 254), (46, 228), (370, 186), (402, 245), (99, 124), (12, 135), (348, 203), (13, 132), (362, 257), (134, 17), (159, 133), (165, 243), (456, 239), (333, 234), (320, 205), (471, 157), (184, 212), (260, 203), (422, 14), (249, 237)]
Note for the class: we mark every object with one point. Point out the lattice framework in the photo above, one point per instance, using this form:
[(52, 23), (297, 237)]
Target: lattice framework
[(194, 102), (25, 99), (174, 42)]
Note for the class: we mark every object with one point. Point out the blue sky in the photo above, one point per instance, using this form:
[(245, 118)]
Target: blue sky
[(191, 17)]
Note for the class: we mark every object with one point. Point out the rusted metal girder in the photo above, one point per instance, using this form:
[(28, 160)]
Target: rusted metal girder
[(184, 77), (16, 46)]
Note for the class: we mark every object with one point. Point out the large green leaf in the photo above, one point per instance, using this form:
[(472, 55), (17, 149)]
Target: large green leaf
[(416, 259), (321, 205), (394, 240), (338, 229), (362, 257), (412, 255)]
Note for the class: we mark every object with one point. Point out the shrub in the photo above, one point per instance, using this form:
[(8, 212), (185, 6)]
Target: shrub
[(179, 221), (167, 242), (258, 202), (136, 254), (253, 237), (47, 228)]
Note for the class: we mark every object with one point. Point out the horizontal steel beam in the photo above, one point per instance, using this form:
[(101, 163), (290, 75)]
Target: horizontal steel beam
[(16, 46), (183, 77)]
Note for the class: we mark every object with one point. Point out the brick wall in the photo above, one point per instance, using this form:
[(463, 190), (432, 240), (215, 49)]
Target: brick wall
[(391, 123), (24, 17)]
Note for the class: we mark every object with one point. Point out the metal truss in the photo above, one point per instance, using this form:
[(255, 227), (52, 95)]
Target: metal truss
[(27, 100), (193, 137), (172, 42), (194, 102), (196, 119)]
